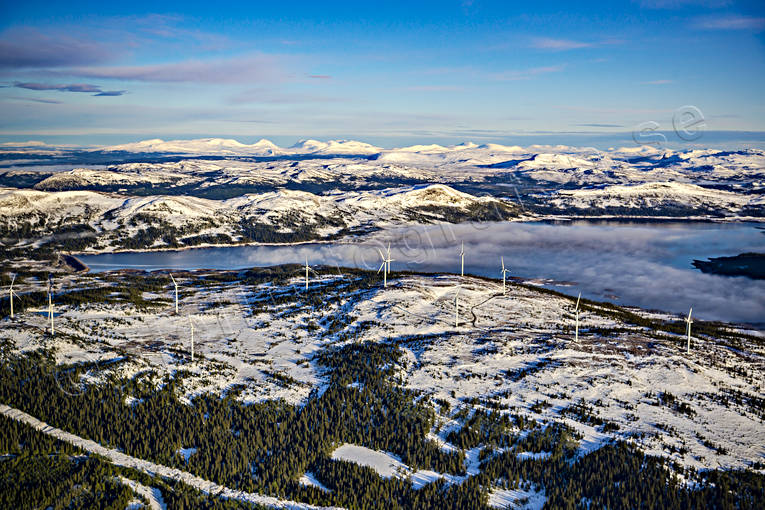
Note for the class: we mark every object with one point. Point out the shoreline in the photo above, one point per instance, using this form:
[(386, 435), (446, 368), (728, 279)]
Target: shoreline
[(541, 219)]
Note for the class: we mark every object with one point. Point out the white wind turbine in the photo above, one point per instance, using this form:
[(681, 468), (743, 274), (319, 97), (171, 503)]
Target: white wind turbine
[(462, 259), (385, 266), (688, 322), (11, 293), (306, 273), (576, 315), (191, 325), (175, 284), (504, 275), (457, 307), (50, 303)]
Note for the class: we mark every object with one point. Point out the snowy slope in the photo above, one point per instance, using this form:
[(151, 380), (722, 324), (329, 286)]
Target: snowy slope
[(507, 352), (113, 219)]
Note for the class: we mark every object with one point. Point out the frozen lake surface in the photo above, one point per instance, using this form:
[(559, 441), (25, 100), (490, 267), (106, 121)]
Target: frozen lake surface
[(640, 264)]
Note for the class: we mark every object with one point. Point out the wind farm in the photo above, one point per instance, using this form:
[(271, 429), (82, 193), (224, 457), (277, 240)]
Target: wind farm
[(468, 343), (333, 256)]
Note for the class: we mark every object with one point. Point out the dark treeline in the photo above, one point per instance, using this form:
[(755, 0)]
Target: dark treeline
[(37, 471), (260, 447), (267, 447)]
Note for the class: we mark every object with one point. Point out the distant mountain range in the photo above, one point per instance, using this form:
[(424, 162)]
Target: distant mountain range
[(155, 194)]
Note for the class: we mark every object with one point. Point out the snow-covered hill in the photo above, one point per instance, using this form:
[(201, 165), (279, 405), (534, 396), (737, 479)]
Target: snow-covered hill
[(317, 189), (228, 147), (658, 197), (512, 353), (107, 221)]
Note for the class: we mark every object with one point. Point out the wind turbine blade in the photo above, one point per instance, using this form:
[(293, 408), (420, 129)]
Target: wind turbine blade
[(13, 279), (577, 300), (381, 266), (171, 277), (689, 313), (503, 263), (381, 253)]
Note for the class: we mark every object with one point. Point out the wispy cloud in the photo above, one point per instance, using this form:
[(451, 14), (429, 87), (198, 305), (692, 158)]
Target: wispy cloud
[(110, 93), (242, 69), (526, 74), (434, 88), (34, 100), (547, 43), (73, 87), (170, 27), (320, 76), (265, 96), (600, 125), (731, 23), (677, 4), (658, 82), (25, 47)]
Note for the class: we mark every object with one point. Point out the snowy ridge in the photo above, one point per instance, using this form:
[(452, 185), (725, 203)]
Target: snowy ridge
[(105, 213), (508, 352), (228, 147), (656, 194)]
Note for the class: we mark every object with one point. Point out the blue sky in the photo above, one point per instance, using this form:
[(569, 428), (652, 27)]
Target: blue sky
[(390, 73)]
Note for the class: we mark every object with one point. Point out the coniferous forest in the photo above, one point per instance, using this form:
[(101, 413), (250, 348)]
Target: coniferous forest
[(267, 447)]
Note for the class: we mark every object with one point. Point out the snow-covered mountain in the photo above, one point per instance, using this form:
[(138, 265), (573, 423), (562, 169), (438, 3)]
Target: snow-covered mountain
[(107, 221), (229, 147), (218, 191), (658, 197)]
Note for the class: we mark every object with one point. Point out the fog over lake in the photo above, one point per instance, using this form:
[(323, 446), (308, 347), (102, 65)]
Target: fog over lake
[(646, 265)]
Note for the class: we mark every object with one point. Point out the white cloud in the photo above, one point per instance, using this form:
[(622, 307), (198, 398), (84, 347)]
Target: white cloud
[(242, 69), (731, 23), (547, 43), (526, 74)]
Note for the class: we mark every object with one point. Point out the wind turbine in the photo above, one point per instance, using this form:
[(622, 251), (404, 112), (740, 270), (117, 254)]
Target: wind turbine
[(11, 293), (504, 275), (191, 324), (385, 266), (50, 303), (688, 321), (457, 307), (306, 273), (176, 293), (576, 314), (462, 259)]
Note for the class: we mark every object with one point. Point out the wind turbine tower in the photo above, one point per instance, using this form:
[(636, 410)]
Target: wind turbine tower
[(306, 273), (50, 303), (385, 266), (175, 284), (504, 275), (576, 315), (688, 322), (462, 259), (11, 293)]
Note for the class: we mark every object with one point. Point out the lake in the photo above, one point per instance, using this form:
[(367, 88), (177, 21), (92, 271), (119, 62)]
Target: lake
[(640, 264)]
